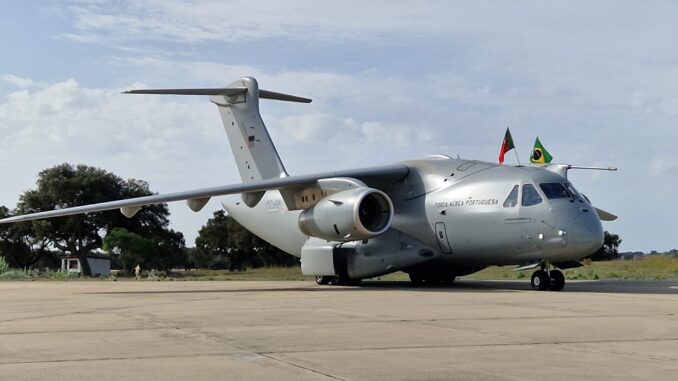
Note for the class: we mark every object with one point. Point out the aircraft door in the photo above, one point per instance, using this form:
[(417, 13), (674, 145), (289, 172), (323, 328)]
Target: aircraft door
[(441, 235)]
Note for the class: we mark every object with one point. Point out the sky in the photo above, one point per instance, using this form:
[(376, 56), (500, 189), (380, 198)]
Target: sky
[(390, 80)]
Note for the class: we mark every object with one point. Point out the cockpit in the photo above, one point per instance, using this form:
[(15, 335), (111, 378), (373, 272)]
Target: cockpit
[(530, 196)]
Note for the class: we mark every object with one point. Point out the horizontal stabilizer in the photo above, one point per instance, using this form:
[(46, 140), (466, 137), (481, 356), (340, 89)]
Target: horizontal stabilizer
[(219, 91), (282, 97), (264, 94)]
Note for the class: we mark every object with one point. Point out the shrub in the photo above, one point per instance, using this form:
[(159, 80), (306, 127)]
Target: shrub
[(62, 275), (4, 267), (14, 275)]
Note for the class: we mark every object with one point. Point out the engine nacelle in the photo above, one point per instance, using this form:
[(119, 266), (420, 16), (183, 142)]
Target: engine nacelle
[(349, 215)]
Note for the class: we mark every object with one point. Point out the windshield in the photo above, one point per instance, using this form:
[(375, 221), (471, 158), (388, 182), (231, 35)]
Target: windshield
[(576, 194), (530, 195), (554, 190)]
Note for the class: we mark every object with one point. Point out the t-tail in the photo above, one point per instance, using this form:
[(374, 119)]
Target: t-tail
[(253, 149)]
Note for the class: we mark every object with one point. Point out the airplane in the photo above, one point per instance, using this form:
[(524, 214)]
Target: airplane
[(435, 218)]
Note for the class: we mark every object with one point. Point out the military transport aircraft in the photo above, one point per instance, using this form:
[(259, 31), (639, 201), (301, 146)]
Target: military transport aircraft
[(434, 218)]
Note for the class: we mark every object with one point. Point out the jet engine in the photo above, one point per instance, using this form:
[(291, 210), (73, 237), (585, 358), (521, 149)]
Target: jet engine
[(350, 215)]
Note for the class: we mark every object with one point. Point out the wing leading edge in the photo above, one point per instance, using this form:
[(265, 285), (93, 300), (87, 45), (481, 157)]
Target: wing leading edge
[(198, 197)]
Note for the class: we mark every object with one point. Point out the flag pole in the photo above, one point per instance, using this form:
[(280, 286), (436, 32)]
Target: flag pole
[(518, 158), (515, 150)]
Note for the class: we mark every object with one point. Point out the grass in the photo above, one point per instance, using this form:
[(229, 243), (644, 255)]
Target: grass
[(18, 274), (261, 274), (649, 268)]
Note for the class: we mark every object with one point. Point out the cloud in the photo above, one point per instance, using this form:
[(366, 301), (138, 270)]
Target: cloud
[(664, 166), (230, 21), (17, 81)]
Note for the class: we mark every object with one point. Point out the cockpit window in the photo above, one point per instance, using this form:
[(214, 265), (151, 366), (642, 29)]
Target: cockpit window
[(574, 192), (512, 199), (554, 190), (530, 195)]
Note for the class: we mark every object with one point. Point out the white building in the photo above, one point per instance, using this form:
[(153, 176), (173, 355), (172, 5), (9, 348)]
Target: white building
[(100, 265)]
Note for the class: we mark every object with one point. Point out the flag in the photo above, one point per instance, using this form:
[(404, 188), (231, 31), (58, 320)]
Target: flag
[(540, 154), (506, 145)]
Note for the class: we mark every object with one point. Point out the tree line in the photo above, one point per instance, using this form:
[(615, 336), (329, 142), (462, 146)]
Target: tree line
[(145, 239)]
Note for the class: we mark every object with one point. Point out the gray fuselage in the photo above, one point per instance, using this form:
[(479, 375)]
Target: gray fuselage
[(457, 207)]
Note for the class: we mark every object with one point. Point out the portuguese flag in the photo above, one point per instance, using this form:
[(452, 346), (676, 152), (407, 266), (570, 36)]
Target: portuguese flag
[(506, 145), (540, 154)]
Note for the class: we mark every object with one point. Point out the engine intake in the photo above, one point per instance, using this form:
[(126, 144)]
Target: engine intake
[(349, 215)]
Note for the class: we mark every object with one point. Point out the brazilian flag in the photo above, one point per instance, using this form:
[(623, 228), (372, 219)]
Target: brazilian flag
[(540, 154)]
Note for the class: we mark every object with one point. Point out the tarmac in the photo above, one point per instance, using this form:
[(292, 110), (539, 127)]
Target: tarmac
[(473, 330)]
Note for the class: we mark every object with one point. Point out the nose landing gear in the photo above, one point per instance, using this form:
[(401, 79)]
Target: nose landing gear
[(543, 280)]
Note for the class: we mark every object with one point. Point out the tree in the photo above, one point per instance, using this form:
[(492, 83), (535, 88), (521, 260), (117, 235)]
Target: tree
[(609, 250), (66, 186), (170, 252), (161, 252), (212, 247), (19, 246), (130, 248), (224, 243)]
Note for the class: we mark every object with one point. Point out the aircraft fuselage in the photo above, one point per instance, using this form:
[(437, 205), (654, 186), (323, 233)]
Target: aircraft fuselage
[(461, 209)]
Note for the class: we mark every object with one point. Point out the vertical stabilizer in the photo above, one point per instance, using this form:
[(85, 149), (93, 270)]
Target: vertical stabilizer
[(252, 147)]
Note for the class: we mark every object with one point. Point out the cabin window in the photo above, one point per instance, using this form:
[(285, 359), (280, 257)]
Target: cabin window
[(512, 199), (530, 195), (554, 190)]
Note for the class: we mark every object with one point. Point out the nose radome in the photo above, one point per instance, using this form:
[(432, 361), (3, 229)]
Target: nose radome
[(587, 233)]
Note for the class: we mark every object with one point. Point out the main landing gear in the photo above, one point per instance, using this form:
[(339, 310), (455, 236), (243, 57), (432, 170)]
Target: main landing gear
[(543, 280), (336, 280), (431, 279)]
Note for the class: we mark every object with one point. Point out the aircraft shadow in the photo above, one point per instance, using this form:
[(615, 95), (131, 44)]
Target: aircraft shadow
[(604, 286)]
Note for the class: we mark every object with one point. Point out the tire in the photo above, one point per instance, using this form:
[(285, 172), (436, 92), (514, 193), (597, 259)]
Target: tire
[(557, 280), (346, 281), (416, 279), (434, 280), (540, 280), (449, 280), (322, 280)]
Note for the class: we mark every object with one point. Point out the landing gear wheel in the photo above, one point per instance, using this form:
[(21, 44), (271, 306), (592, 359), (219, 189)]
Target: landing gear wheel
[(557, 281), (450, 279), (433, 280), (540, 280), (346, 281), (323, 280), (416, 279)]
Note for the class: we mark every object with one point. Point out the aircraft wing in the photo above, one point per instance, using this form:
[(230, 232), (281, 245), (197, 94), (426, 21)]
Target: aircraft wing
[(129, 207)]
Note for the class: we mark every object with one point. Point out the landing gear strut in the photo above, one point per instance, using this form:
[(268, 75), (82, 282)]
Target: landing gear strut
[(543, 280)]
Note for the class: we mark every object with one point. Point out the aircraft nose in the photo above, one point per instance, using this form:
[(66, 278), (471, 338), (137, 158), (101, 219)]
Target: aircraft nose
[(587, 233)]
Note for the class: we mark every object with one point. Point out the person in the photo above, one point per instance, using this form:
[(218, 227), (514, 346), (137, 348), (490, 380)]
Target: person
[(137, 271)]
